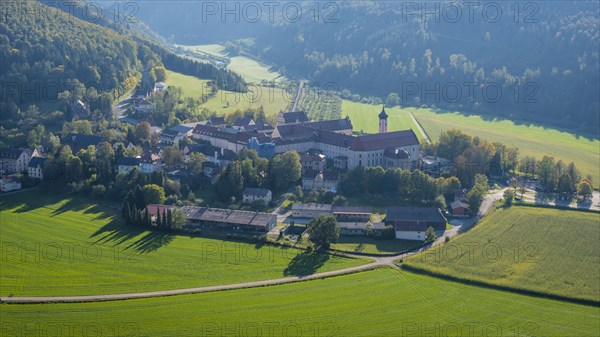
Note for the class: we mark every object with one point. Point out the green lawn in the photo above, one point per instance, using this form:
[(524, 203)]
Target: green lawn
[(531, 140), (365, 118), (191, 86), (541, 249), (213, 49), (68, 247), (363, 244), (382, 302), (253, 71)]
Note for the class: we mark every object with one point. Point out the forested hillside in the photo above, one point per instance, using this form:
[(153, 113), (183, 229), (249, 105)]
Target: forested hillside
[(50, 55), (535, 61)]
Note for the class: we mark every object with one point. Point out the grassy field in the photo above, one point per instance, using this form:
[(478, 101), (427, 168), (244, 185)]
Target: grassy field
[(251, 70), (273, 100), (531, 140), (382, 302), (191, 86), (68, 247), (545, 250), (362, 244), (365, 117)]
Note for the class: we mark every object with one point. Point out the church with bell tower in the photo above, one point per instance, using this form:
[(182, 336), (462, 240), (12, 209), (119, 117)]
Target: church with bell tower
[(383, 116)]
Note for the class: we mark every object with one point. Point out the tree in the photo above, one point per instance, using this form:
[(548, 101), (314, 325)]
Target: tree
[(178, 219), (392, 100), (285, 169), (440, 202), (585, 188), (230, 182), (323, 231), (195, 162), (172, 155), (430, 235), (153, 194), (509, 197), (142, 131)]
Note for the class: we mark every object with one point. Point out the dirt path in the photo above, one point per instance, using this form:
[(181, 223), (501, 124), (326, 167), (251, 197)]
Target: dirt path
[(423, 133)]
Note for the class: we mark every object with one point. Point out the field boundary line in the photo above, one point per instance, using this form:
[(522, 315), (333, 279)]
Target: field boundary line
[(420, 127)]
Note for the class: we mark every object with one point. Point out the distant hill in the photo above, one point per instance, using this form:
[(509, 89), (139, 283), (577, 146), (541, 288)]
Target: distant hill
[(542, 56)]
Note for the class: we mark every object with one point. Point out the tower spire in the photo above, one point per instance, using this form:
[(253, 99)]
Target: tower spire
[(383, 116)]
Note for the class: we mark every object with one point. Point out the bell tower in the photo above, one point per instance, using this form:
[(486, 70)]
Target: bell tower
[(383, 121)]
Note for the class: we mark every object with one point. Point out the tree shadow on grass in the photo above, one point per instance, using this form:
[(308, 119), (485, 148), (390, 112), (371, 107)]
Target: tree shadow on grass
[(118, 234), (306, 264)]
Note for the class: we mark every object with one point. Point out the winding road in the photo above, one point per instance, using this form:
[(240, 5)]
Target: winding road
[(387, 261)]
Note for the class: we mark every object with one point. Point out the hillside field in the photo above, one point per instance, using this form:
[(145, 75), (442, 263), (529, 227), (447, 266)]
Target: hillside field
[(383, 302), (530, 139), (251, 70), (191, 86), (58, 247), (546, 250)]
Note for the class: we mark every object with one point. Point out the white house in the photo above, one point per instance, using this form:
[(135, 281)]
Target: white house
[(149, 163), (9, 183), (251, 195), (127, 164), (35, 169)]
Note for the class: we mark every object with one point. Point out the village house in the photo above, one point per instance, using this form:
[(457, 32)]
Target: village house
[(143, 105), (318, 180), (175, 134), (291, 117), (217, 122), (411, 223), (127, 164), (251, 195), (9, 183), (35, 169), (311, 210), (312, 162), (243, 123), (159, 86), (79, 141), (80, 110), (460, 208), (150, 162), (15, 160)]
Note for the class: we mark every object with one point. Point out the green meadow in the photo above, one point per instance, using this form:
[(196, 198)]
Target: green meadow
[(369, 245), (191, 86), (53, 246), (251, 70), (530, 139), (382, 302), (545, 250), (365, 118)]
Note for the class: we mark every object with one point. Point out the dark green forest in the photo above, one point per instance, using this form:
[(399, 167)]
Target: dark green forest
[(50, 56), (532, 61)]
